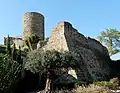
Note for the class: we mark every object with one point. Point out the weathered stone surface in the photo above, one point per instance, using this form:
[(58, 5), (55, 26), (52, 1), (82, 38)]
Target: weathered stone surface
[(33, 23), (40, 44), (18, 42), (92, 66), (115, 68), (15, 40)]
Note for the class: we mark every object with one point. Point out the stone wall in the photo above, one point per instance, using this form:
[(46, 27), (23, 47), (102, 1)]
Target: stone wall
[(33, 23), (63, 30), (14, 40), (11, 40), (96, 45), (65, 37), (57, 40), (41, 44), (19, 42)]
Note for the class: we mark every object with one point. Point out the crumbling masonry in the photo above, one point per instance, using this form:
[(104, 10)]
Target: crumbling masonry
[(66, 37)]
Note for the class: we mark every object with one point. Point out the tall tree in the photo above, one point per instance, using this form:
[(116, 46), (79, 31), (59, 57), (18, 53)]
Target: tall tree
[(111, 39), (8, 48), (14, 54), (50, 62)]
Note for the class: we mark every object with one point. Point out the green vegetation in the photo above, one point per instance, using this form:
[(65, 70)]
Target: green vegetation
[(19, 59), (50, 62), (107, 84), (1, 45), (96, 87), (8, 48), (29, 41), (111, 39), (9, 71), (14, 52), (92, 88)]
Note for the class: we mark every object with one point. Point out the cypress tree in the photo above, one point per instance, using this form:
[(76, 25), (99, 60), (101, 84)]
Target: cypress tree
[(8, 48), (14, 52), (19, 59)]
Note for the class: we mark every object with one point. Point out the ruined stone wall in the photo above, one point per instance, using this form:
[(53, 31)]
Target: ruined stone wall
[(94, 44), (11, 40), (14, 40), (41, 44), (78, 43), (33, 23), (73, 38), (64, 33), (80, 40), (65, 37), (57, 40), (18, 42)]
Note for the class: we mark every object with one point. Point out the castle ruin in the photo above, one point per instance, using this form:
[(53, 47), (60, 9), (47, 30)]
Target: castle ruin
[(33, 24), (94, 56)]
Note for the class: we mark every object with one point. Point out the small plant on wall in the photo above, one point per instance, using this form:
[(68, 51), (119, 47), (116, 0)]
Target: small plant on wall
[(29, 41)]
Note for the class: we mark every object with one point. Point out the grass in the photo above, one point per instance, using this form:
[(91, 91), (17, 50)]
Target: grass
[(96, 87)]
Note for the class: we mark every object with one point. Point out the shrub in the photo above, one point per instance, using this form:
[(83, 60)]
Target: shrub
[(112, 84), (9, 71), (92, 88)]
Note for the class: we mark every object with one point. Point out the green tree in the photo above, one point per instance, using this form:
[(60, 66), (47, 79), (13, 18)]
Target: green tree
[(19, 59), (14, 52), (111, 39), (40, 61), (8, 48), (9, 70)]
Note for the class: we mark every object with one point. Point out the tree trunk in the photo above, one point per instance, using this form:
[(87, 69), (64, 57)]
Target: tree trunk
[(111, 47), (48, 83)]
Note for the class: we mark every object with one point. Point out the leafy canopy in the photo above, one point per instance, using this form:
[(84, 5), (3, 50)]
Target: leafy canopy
[(40, 60), (111, 39)]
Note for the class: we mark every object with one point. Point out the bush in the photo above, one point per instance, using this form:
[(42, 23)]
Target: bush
[(92, 88), (9, 71), (112, 84)]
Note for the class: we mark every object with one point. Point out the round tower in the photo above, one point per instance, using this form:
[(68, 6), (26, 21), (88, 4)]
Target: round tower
[(33, 23)]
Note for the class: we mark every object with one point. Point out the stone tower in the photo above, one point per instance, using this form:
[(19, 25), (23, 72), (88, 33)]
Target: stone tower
[(33, 23)]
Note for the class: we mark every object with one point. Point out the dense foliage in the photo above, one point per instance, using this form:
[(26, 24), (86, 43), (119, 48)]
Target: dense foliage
[(9, 71), (51, 62), (39, 60), (111, 39)]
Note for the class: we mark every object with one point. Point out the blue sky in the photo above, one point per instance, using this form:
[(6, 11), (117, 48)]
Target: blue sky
[(89, 17)]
